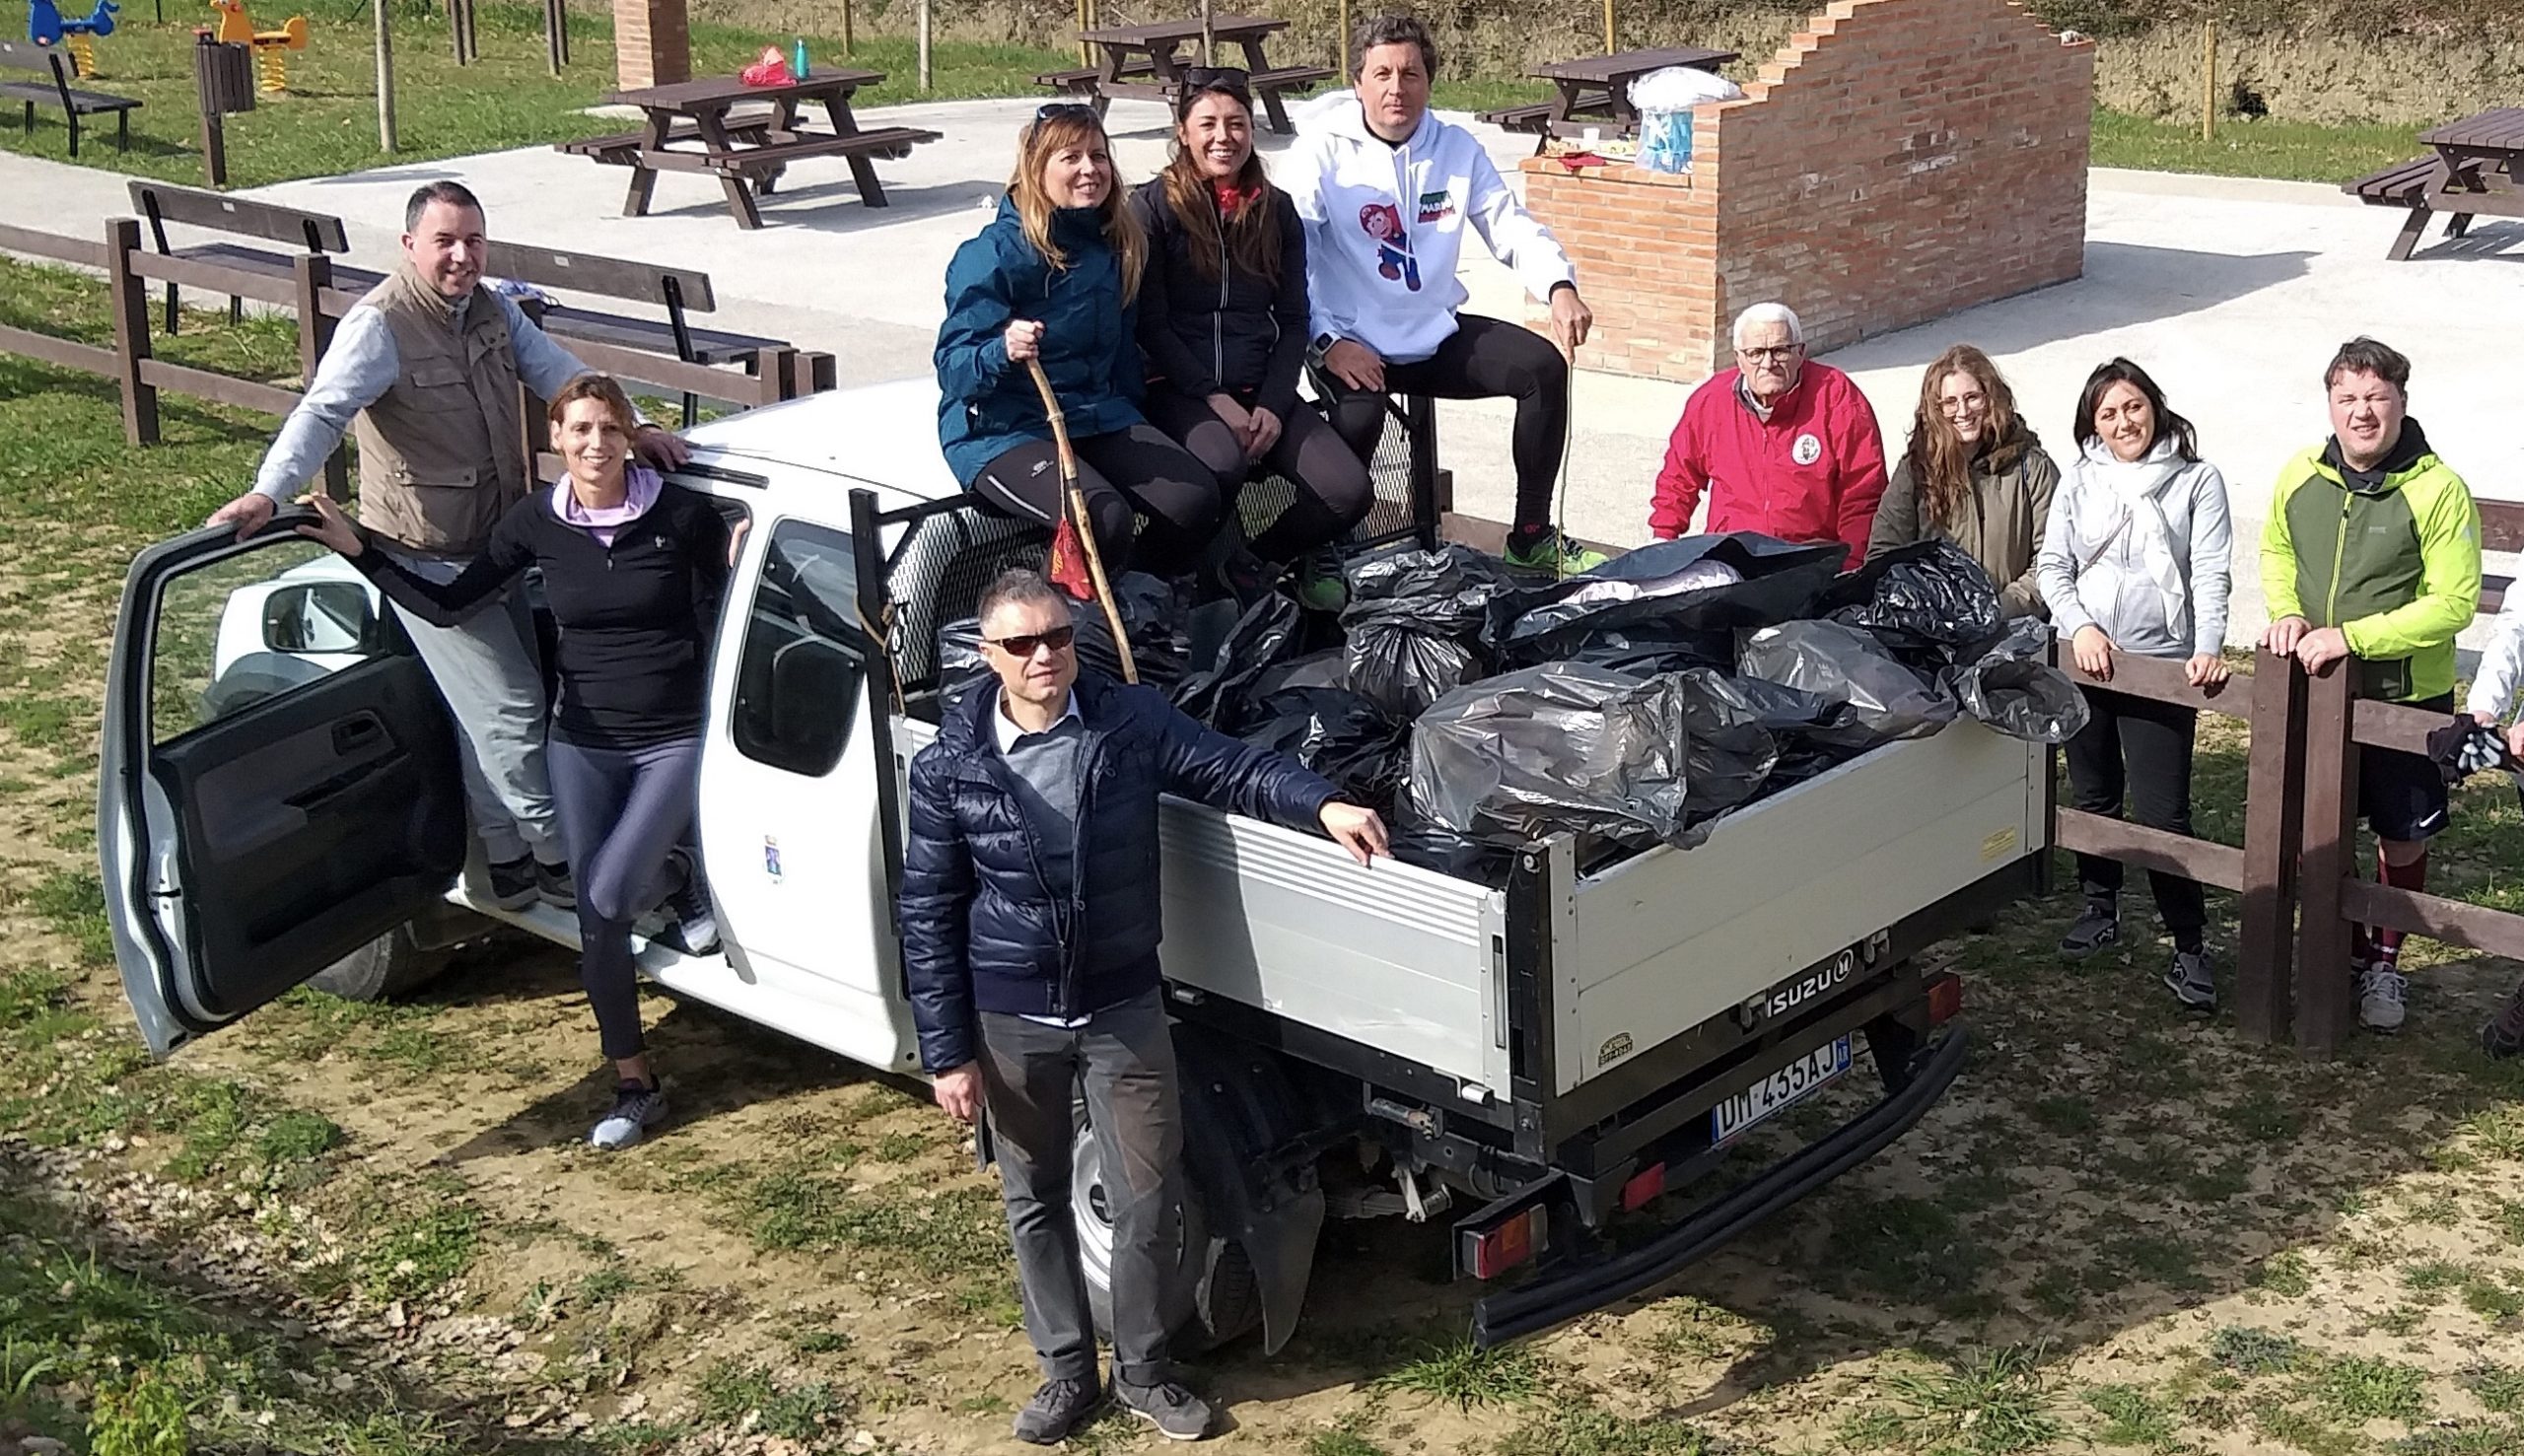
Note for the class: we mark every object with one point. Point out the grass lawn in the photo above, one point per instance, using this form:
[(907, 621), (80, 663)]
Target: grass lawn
[(327, 123), (2296, 151)]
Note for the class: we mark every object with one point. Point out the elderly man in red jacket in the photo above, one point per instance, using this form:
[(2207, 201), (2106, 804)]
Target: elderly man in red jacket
[(1782, 446)]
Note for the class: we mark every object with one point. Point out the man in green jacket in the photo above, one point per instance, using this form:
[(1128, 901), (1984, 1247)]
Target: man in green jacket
[(2373, 553)]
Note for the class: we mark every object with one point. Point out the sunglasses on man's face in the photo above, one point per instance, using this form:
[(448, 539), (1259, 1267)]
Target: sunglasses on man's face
[(1023, 645)]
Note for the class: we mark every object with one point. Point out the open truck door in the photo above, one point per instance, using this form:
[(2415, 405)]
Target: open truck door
[(278, 783)]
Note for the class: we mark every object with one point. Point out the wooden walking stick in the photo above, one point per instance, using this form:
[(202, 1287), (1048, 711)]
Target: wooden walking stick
[(1075, 500)]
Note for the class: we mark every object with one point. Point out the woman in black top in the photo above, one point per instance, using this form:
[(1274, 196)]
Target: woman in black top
[(634, 568), (1223, 320)]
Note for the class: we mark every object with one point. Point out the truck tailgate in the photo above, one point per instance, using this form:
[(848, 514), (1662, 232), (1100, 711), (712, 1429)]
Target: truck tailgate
[(1662, 942)]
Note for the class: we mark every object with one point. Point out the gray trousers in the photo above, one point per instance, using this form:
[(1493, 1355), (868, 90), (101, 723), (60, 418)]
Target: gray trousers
[(485, 667), (1124, 1059)]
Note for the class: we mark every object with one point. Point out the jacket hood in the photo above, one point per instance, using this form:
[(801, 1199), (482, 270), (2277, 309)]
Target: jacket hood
[(2406, 455), (2003, 455), (1349, 119), (1072, 227)]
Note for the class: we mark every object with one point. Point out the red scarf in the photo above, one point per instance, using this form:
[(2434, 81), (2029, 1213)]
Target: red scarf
[(1231, 198)]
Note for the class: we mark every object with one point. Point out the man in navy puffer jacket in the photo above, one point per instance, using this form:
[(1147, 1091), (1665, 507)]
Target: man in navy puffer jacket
[(1030, 912)]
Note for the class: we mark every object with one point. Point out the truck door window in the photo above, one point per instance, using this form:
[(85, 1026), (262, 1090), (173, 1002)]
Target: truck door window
[(253, 627), (798, 684)]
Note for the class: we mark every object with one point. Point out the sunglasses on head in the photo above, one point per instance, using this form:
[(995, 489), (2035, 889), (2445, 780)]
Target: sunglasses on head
[(1050, 110), (1025, 644), (1233, 79)]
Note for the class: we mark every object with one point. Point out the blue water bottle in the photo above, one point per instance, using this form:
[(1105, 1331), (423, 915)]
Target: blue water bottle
[(797, 59)]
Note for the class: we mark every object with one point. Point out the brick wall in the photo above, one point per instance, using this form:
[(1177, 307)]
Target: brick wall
[(1899, 160), (651, 42)]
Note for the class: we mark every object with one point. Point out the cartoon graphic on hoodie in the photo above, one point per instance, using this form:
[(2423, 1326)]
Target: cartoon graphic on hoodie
[(1383, 222)]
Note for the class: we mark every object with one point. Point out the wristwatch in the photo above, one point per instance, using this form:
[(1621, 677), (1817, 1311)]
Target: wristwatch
[(1323, 342)]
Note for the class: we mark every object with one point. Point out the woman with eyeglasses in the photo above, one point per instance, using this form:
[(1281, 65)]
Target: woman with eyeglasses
[(1974, 474), (2136, 559), (1055, 277), (1223, 320)]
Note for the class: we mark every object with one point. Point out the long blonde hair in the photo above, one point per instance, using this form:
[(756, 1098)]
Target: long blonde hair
[(1940, 460), (1037, 145)]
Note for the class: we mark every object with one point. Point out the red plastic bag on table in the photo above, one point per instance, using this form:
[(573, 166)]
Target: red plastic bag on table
[(771, 68)]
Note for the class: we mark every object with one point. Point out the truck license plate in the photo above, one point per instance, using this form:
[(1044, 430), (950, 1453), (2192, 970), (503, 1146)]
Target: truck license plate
[(1779, 1091)]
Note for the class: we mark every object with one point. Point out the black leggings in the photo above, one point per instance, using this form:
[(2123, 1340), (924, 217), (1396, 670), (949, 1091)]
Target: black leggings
[(1482, 359), (1120, 471), (621, 810), (1333, 492), (2145, 747)]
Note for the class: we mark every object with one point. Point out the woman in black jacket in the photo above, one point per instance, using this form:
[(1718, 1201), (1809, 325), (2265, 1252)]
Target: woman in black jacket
[(1223, 320), (634, 570)]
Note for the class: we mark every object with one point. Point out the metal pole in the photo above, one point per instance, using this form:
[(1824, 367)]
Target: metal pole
[(385, 79), (2208, 81), (924, 47)]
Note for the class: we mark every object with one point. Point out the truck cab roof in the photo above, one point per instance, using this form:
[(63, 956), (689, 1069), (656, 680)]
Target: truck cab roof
[(877, 435)]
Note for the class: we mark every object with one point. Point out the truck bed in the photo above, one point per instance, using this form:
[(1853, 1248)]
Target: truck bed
[(1413, 963)]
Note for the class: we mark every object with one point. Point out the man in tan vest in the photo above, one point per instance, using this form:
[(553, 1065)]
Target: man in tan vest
[(425, 371)]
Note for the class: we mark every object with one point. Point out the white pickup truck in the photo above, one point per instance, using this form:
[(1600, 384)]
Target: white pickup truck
[(279, 801)]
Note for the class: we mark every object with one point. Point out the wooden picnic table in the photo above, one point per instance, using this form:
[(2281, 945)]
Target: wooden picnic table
[(1148, 61), (2476, 168), (691, 127), (1592, 93)]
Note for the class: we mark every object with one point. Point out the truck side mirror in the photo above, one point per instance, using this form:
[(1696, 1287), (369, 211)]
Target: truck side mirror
[(307, 617)]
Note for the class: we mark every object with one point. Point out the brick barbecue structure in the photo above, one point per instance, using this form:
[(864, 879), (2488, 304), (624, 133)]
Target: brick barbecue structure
[(651, 44), (1899, 160)]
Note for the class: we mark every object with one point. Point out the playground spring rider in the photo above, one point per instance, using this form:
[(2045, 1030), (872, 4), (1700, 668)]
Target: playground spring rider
[(271, 47), (45, 27)]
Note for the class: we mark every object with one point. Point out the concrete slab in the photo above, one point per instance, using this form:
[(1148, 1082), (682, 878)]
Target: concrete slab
[(2232, 292)]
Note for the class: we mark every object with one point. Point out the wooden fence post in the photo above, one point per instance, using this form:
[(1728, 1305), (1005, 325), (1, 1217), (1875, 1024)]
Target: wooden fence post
[(2274, 836), (2324, 995), (130, 297), (314, 274)]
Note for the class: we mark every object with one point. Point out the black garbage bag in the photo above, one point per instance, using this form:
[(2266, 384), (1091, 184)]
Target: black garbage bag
[(1216, 691), (1929, 601), (1560, 746), (1686, 610), (1878, 699), (1414, 624), (1325, 668), (2011, 686), (1730, 731), (1417, 839), (1342, 735)]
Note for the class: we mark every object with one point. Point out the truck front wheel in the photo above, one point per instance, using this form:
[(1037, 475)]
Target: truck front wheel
[(386, 966), (1212, 1289)]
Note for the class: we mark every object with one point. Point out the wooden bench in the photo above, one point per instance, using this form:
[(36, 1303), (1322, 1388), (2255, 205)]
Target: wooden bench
[(1534, 118), (621, 146), (55, 67), (161, 203), (2409, 185), (678, 291), (1079, 82)]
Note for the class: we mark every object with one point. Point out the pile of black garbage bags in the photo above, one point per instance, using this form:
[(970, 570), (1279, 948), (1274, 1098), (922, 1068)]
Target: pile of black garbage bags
[(1481, 708)]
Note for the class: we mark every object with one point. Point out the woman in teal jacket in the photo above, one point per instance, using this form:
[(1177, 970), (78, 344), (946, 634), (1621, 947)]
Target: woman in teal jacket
[(1053, 277)]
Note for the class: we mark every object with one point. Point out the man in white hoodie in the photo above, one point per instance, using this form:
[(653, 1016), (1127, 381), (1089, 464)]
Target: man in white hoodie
[(1385, 189)]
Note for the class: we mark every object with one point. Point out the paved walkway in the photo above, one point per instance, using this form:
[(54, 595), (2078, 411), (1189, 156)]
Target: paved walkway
[(2233, 293)]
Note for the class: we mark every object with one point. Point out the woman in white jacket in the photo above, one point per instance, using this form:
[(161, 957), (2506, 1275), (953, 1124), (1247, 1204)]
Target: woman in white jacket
[(2136, 558), (1385, 190)]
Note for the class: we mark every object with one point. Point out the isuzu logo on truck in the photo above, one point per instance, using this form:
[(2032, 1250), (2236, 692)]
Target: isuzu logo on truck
[(1811, 986)]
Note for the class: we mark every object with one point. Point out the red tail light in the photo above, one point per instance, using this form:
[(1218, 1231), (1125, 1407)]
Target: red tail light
[(1511, 1243), (1946, 998), (1642, 1188)]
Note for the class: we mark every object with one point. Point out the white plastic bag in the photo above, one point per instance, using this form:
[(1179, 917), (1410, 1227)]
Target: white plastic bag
[(1664, 99)]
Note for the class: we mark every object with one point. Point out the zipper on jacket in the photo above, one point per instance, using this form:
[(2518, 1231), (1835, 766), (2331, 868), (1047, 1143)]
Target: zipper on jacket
[(1072, 952), (1218, 321), (2339, 549)]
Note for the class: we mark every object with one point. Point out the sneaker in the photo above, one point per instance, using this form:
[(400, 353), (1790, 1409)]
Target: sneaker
[(2381, 989), (1059, 1408), (552, 882), (2499, 1040), (1553, 551), (2096, 926), (513, 883), (1244, 575), (635, 1110), (1320, 587), (695, 931), (2188, 980), (1176, 1412)]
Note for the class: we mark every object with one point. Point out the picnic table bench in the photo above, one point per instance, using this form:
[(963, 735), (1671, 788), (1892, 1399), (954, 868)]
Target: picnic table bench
[(1592, 93), (746, 154), (48, 62), (2473, 170), (1149, 62)]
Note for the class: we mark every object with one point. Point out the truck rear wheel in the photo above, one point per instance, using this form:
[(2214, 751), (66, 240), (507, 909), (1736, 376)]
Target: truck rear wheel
[(1215, 1295), (386, 966)]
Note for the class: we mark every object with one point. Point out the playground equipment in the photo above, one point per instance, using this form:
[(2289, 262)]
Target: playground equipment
[(271, 47), (47, 27)]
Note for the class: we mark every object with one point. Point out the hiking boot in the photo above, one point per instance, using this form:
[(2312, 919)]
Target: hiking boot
[(2188, 980), (552, 882), (1059, 1408), (1176, 1412), (1552, 551), (513, 884), (635, 1110), (2096, 926), (695, 931), (2381, 991)]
